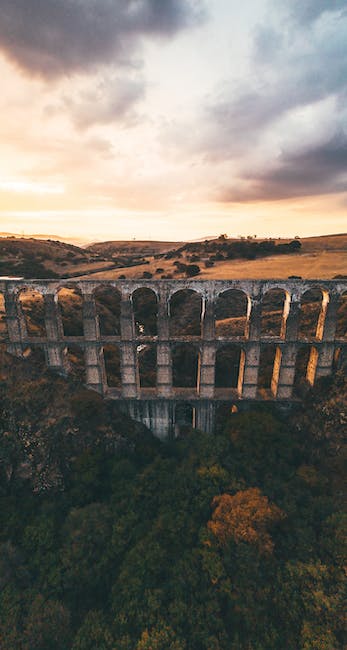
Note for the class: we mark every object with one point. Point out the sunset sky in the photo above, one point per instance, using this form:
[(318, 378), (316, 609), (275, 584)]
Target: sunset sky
[(173, 119)]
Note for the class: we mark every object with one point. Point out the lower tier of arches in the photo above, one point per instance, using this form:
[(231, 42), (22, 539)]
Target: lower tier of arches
[(253, 371)]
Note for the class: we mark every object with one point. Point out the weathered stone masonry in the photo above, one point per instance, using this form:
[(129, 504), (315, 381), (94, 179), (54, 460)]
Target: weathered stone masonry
[(156, 407)]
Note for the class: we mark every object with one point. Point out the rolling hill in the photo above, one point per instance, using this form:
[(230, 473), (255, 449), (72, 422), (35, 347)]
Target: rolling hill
[(318, 257)]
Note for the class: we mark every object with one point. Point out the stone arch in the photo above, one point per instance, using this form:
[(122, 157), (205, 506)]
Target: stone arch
[(269, 365), (341, 317), (108, 305), (274, 312), (145, 311), (112, 361), (313, 306), (70, 301), (230, 361), (184, 418), (185, 311), (3, 323), (147, 365), (232, 311), (185, 366), (75, 362), (32, 306)]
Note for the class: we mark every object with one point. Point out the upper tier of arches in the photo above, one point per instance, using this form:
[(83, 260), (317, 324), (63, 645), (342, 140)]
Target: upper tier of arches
[(245, 310)]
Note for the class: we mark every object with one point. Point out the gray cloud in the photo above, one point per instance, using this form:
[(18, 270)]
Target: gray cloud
[(316, 170), (293, 100), (288, 73), (307, 11), (105, 102), (53, 38)]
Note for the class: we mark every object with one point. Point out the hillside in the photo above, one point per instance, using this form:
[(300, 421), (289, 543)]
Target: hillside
[(110, 539), (319, 257), (134, 247), (46, 421), (323, 257), (38, 258)]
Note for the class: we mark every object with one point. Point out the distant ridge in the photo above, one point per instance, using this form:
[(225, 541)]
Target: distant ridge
[(77, 241), (85, 242)]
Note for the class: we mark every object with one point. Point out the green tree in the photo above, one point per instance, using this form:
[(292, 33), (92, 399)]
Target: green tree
[(47, 625), (94, 633)]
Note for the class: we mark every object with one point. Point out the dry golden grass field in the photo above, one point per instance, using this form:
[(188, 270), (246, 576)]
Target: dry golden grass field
[(320, 257)]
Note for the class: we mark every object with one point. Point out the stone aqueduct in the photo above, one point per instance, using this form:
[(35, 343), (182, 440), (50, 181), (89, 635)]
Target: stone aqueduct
[(156, 407)]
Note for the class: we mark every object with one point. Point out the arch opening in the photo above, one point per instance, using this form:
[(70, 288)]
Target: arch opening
[(70, 303), (338, 360), (38, 358), (274, 313), (341, 317), (185, 366), (112, 362), (305, 369), (145, 311), (228, 369), (3, 323), (312, 314), (184, 418), (232, 313), (147, 365), (75, 362), (108, 303), (185, 309), (223, 411), (269, 362), (32, 305)]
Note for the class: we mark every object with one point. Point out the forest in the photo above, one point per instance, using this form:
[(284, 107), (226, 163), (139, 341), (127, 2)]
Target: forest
[(113, 540)]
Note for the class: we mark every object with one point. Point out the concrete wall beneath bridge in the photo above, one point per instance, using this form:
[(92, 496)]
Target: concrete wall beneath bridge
[(157, 406)]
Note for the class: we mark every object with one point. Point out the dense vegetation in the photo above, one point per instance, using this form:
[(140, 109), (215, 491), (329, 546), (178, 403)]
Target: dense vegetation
[(223, 249), (111, 540)]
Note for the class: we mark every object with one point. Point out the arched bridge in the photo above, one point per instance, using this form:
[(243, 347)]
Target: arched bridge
[(171, 347)]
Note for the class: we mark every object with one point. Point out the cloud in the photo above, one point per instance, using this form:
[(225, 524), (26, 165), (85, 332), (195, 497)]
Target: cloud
[(108, 101), (51, 38), (289, 71), (281, 131), (307, 11), (316, 170)]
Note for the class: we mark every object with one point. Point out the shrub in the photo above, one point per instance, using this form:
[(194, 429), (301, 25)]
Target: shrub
[(191, 270)]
